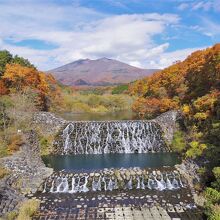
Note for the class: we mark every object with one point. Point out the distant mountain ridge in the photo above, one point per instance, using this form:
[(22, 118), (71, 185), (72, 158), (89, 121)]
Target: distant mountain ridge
[(100, 72)]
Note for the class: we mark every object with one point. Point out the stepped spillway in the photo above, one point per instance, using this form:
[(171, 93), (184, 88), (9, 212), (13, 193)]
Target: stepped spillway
[(97, 192), (113, 179), (111, 137)]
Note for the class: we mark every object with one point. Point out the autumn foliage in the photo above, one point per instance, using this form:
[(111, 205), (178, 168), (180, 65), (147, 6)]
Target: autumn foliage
[(3, 88), (153, 106), (18, 78), (192, 85)]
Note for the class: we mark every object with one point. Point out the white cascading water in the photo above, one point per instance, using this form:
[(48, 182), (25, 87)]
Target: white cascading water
[(175, 183), (96, 184), (129, 184), (138, 183), (103, 180), (110, 185), (84, 187), (142, 183), (52, 187), (45, 186), (63, 186), (161, 185), (112, 137), (76, 184), (73, 190), (150, 184), (168, 183)]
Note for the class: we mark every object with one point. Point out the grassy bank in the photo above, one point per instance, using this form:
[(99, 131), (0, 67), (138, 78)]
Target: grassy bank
[(76, 102)]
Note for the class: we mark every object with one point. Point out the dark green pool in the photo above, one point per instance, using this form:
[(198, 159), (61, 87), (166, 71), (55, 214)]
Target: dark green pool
[(100, 161)]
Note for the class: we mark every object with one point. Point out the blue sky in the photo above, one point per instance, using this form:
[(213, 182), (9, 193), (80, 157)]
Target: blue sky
[(143, 33)]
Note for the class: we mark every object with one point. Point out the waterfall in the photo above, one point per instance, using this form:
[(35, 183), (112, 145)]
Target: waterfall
[(111, 137), (96, 185), (150, 184), (168, 183), (66, 134), (103, 180), (78, 185), (63, 186), (52, 187), (175, 183), (138, 182), (45, 187), (161, 185), (73, 190), (108, 181), (142, 183), (84, 187), (129, 184), (110, 185)]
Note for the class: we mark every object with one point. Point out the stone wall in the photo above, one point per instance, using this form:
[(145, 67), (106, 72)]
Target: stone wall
[(27, 173), (168, 124), (48, 122)]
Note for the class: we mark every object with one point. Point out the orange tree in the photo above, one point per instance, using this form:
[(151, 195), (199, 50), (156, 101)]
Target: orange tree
[(21, 79)]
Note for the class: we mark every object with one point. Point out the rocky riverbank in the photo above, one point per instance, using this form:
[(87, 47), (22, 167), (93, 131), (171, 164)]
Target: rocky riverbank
[(26, 173), (189, 169)]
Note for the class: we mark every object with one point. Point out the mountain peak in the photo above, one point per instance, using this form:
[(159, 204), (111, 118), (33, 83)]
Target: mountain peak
[(104, 59), (102, 72)]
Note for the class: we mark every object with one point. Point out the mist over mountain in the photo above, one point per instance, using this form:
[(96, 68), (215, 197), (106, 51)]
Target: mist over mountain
[(100, 72)]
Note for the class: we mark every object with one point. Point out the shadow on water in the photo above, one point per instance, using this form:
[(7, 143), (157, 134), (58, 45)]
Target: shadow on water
[(100, 161)]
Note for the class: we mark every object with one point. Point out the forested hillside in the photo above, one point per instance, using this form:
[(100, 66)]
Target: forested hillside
[(193, 87), (18, 75), (23, 91)]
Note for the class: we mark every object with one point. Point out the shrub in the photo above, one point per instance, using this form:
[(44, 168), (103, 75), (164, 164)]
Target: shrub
[(3, 149), (15, 142), (28, 209), (46, 144), (120, 89), (216, 172), (99, 108), (178, 143), (80, 107), (212, 211), (3, 172), (196, 149), (11, 215), (212, 195)]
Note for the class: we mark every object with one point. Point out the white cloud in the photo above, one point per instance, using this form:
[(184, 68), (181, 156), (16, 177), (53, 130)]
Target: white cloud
[(205, 5), (168, 58), (80, 32), (210, 28), (183, 6)]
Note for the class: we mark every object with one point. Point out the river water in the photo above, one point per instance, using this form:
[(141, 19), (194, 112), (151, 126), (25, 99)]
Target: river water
[(99, 161), (88, 116)]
